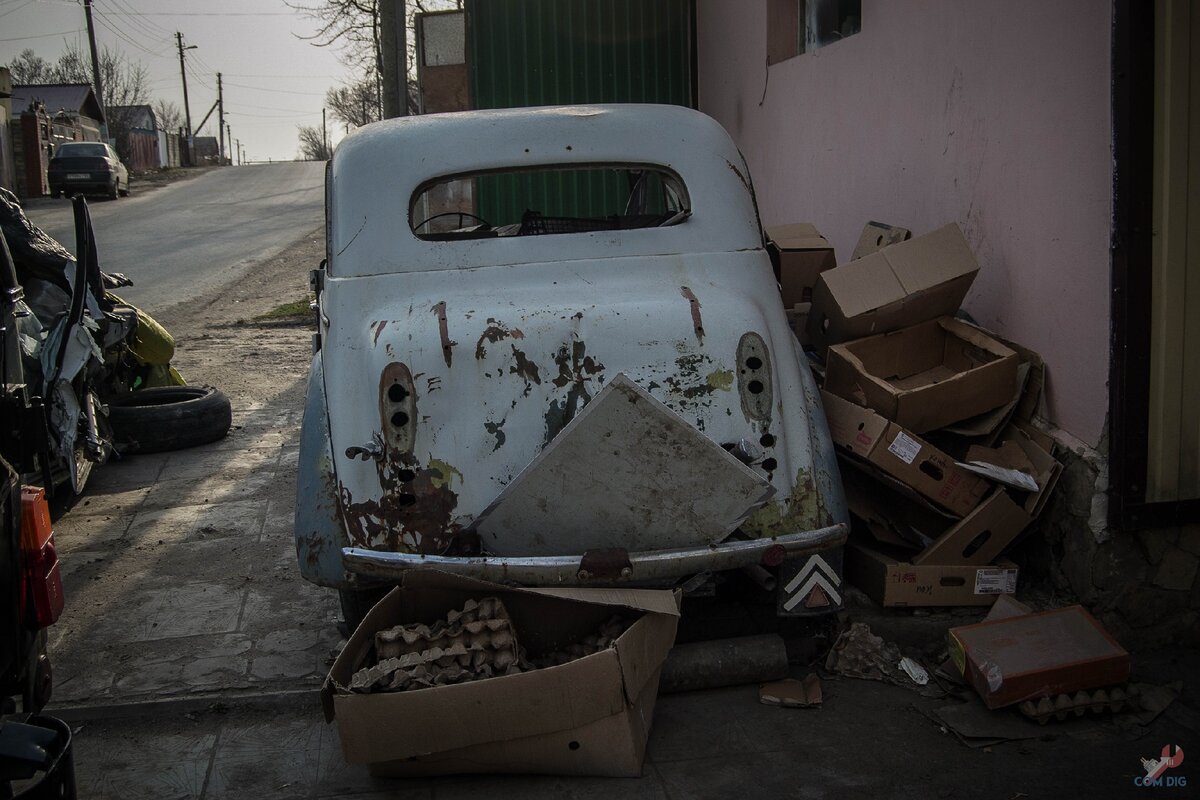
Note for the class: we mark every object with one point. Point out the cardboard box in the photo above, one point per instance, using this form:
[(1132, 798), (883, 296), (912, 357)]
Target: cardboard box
[(803, 255), (891, 581), (1037, 655), (797, 317), (926, 376), (897, 452), (898, 520), (877, 235), (588, 717), (898, 286)]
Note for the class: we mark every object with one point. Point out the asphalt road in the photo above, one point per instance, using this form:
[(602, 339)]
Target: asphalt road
[(180, 240)]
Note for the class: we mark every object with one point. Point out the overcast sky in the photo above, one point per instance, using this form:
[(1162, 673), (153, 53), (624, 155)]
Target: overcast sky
[(273, 79)]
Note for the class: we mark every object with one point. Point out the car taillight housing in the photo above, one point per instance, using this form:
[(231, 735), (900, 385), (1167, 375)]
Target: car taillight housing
[(41, 578)]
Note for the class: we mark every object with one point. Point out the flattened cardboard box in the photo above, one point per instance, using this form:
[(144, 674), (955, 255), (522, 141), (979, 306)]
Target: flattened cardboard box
[(899, 453), (975, 540), (588, 717), (891, 581), (1037, 655), (898, 286), (803, 255), (926, 376)]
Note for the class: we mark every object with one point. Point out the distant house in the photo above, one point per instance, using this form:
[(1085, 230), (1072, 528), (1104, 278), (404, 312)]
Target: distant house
[(204, 150), (45, 116), (137, 137)]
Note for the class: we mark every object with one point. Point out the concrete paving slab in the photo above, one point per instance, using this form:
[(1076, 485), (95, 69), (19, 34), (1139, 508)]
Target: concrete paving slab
[(184, 523), (121, 765)]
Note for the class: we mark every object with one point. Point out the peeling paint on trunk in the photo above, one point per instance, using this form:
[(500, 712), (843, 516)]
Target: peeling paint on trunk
[(576, 370), (444, 332), (415, 513), (697, 322), (721, 379), (496, 429), (494, 332), (524, 369), (801, 510)]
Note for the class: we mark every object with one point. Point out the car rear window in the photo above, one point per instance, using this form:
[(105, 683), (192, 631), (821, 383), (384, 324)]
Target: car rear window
[(548, 200), (89, 150)]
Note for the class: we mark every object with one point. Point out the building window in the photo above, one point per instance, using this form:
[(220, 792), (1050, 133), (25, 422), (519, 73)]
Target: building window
[(795, 26)]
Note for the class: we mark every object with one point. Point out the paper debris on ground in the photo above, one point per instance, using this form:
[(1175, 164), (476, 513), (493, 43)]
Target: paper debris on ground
[(976, 726), (914, 670), (792, 693)]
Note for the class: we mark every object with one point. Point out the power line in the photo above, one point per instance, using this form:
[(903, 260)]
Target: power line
[(207, 13), (42, 36), (100, 17), (279, 91)]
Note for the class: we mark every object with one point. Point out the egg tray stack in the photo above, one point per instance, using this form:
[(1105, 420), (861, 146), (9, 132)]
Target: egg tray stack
[(1063, 706), (474, 643), (601, 640)]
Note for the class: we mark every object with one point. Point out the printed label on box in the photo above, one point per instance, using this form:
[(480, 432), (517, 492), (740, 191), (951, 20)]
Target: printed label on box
[(905, 447), (995, 581)]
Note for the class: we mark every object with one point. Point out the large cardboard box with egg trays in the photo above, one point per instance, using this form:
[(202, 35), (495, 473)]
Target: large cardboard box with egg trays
[(587, 717)]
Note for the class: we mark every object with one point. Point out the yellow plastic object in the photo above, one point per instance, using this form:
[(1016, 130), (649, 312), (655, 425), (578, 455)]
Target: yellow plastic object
[(162, 375), (152, 344)]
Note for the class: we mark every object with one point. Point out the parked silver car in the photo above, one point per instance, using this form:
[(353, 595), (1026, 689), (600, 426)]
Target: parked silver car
[(552, 350)]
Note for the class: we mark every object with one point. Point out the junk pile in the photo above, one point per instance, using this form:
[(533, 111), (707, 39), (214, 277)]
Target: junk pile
[(931, 415), (100, 366)]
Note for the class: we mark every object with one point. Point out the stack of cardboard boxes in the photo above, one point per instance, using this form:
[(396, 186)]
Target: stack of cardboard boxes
[(930, 414)]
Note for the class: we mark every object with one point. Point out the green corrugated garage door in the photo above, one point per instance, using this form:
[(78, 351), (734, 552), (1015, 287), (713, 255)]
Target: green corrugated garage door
[(559, 52)]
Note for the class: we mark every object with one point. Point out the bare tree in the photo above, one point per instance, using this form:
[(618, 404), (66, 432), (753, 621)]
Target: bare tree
[(352, 26), (313, 146), (355, 105), (30, 68), (126, 81), (169, 117)]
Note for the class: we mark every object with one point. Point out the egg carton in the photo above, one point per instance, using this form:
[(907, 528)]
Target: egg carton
[(470, 644), (1065, 706), (601, 640)]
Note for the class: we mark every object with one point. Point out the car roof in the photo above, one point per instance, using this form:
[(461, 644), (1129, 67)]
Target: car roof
[(377, 169)]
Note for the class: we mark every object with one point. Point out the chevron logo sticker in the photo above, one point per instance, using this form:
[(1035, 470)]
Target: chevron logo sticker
[(815, 572)]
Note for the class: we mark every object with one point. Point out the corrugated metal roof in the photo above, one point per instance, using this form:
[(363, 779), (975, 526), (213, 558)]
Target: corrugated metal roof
[(77, 98)]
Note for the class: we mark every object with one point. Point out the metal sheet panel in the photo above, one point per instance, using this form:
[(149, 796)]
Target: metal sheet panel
[(626, 472)]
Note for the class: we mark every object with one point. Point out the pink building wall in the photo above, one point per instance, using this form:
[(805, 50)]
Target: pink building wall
[(994, 115)]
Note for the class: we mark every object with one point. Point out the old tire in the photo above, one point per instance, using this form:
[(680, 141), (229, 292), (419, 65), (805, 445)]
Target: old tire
[(168, 418)]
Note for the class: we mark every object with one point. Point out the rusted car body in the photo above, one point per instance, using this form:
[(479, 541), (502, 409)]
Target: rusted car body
[(447, 361)]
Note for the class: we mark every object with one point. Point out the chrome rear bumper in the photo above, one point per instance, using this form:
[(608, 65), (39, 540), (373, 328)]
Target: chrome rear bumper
[(648, 566)]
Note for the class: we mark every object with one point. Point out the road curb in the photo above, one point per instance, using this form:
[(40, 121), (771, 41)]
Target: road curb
[(309, 699)]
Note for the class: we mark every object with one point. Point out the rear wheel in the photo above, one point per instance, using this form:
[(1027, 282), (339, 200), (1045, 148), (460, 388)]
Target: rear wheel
[(168, 418), (113, 191), (125, 192)]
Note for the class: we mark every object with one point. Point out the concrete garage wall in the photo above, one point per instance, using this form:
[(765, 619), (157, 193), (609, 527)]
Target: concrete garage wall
[(995, 115)]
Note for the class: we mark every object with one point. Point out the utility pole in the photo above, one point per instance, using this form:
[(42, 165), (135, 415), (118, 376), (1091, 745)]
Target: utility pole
[(87, 12), (220, 122), (393, 29), (324, 136), (229, 138), (187, 111)]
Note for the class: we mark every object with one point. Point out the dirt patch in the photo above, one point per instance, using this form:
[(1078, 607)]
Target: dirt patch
[(144, 181), (220, 340)]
